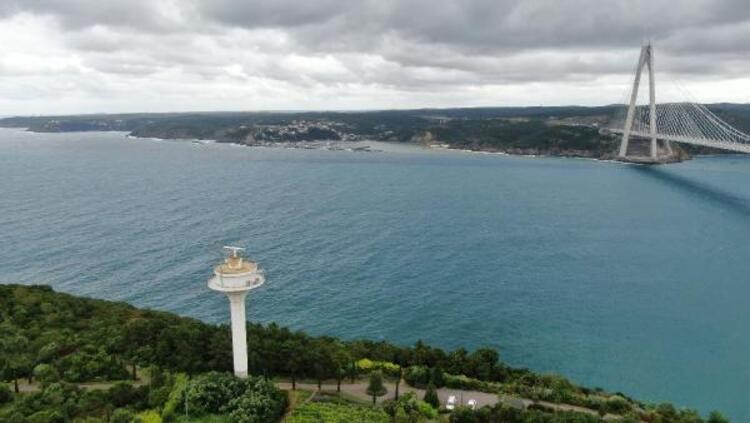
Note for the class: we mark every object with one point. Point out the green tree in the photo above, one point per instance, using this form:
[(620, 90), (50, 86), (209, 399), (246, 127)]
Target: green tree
[(431, 396), (341, 360), (399, 376), (352, 370), (294, 351), (438, 377), (14, 357), (482, 363), (716, 417), (322, 359), (375, 387)]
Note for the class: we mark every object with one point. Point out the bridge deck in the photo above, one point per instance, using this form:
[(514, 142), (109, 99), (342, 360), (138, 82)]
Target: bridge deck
[(723, 145)]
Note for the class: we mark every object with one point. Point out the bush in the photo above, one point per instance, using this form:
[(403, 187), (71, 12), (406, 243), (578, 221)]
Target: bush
[(417, 376), (211, 392), (408, 408), (82, 366), (6, 395), (175, 396), (261, 402), (463, 415), (716, 417), (47, 416), (325, 412), (121, 415), (427, 410), (123, 394), (149, 416), (367, 365), (617, 405), (470, 384), (46, 373)]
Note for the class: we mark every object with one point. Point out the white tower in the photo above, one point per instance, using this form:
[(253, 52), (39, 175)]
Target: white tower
[(235, 277)]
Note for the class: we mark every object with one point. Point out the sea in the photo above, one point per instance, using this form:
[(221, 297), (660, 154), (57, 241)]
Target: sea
[(630, 278)]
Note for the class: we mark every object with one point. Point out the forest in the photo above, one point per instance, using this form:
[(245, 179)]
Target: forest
[(68, 358)]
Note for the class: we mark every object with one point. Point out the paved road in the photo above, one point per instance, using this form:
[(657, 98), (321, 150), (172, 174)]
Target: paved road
[(359, 390)]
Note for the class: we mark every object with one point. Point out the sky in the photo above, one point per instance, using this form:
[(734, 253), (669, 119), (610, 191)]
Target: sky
[(91, 56)]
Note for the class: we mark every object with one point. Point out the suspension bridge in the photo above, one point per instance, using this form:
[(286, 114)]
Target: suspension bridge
[(685, 122)]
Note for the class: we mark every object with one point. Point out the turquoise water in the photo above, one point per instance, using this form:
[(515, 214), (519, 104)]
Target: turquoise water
[(629, 278)]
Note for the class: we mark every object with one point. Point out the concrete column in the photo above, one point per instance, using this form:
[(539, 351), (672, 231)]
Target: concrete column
[(652, 100), (631, 107), (239, 334)]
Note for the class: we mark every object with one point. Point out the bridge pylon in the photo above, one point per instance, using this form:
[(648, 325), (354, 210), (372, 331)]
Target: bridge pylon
[(646, 59)]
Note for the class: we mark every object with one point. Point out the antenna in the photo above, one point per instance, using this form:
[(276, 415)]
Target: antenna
[(233, 251)]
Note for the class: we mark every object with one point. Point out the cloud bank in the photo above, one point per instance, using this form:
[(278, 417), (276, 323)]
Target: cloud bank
[(172, 55)]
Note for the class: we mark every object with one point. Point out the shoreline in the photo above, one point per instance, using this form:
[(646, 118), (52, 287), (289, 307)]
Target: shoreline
[(325, 144), (349, 146)]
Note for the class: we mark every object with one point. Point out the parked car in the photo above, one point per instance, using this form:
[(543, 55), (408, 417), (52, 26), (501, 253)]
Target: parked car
[(451, 403), (472, 404)]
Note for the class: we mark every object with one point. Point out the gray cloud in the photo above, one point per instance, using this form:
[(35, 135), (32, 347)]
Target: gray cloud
[(296, 50)]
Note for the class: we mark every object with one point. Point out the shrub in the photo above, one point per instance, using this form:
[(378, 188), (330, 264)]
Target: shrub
[(463, 415), (617, 404), (716, 417), (408, 408), (261, 402), (123, 394), (367, 365), (46, 373), (5, 394), (325, 412), (175, 396), (470, 384), (427, 410), (148, 416), (211, 392), (46, 416), (121, 415), (417, 376)]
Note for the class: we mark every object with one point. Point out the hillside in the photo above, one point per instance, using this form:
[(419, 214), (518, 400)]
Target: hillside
[(558, 131), (54, 345)]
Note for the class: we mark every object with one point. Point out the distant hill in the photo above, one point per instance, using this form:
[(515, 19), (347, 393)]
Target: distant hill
[(559, 130)]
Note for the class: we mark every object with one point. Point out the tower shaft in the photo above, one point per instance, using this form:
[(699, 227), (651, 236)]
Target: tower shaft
[(646, 59), (239, 333)]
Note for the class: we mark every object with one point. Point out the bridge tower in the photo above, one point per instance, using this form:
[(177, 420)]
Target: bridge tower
[(235, 277), (646, 59)]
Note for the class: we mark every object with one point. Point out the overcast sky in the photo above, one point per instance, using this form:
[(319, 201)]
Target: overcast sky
[(76, 56)]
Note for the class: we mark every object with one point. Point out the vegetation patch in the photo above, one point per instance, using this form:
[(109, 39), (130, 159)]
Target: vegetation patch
[(52, 342)]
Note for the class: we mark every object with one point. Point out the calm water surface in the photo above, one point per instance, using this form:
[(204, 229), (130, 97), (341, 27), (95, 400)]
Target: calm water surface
[(629, 278)]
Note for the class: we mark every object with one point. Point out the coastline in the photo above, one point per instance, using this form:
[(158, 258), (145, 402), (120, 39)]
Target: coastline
[(356, 146), (336, 145)]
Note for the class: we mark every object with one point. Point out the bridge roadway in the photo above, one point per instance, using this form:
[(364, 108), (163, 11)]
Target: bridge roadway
[(723, 145)]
